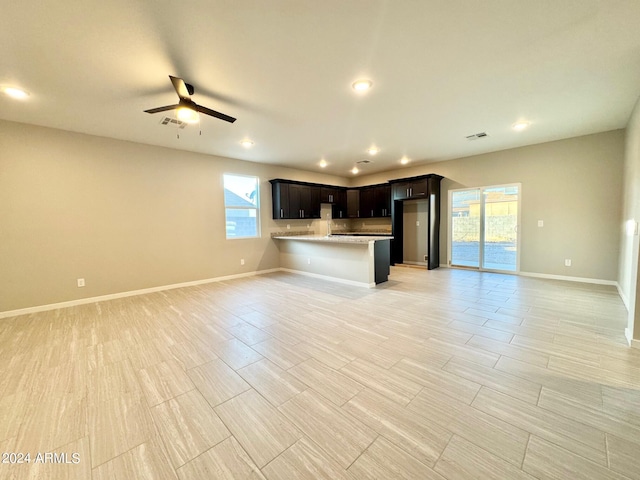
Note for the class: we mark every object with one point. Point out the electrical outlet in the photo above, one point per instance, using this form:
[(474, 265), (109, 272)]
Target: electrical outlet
[(541, 223), (80, 282), (567, 262), (288, 227), (426, 258), (417, 223), (242, 261)]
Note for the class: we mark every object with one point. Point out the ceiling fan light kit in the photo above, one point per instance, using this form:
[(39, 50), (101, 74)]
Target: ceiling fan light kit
[(187, 114), (187, 109)]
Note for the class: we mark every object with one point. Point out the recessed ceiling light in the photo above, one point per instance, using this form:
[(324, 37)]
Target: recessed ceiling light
[(354, 170), (404, 160), (323, 163), (519, 126), (188, 115), (246, 143), (15, 93), (362, 85), (373, 150)]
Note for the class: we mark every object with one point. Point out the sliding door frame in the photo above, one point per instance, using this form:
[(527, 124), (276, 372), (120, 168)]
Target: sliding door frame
[(482, 229)]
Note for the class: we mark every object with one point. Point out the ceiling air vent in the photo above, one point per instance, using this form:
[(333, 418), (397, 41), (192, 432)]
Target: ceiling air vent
[(361, 162), (173, 122), (476, 136)]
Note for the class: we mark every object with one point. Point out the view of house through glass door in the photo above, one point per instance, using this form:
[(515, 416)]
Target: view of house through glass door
[(484, 228)]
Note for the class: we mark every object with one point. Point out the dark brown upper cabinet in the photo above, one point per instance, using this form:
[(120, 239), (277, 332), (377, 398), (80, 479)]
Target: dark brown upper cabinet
[(353, 203), (410, 189), (293, 200), (339, 204)]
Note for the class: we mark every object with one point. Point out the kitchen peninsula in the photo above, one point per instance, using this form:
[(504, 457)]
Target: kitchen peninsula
[(351, 259)]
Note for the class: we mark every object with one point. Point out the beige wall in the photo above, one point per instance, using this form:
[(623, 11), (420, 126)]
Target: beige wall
[(573, 185), (628, 267), (124, 216)]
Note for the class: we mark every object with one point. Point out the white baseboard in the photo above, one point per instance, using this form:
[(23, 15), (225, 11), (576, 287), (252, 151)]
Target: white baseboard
[(329, 278), (596, 281), (420, 264), (624, 298), (131, 293), (632, 341)]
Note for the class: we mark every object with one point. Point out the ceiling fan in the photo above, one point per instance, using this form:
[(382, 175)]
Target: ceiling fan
[(187, 109)]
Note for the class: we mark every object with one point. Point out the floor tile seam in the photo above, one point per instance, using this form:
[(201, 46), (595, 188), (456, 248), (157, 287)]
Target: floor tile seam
[(558, 354), (613, 382), (208, 449), (166, 446), (581, 457), (555, 431), (606, 418), (526, 450), (299, 432), (226, 400), (147, 400), (607, 450), (120, 454), (363, 451), (509, 375), (343, 412)]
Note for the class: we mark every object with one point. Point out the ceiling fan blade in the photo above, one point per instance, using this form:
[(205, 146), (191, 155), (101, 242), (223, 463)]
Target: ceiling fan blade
[(162, 109), (213, 113), (180, 86)]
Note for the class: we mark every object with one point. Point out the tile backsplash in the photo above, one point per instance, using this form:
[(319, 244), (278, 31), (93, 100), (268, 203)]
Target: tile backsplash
[(319, 226)]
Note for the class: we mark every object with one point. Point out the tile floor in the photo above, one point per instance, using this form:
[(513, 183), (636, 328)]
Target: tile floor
[(447, 374)]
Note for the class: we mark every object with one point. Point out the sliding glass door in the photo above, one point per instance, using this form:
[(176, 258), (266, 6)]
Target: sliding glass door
[(484, 228)]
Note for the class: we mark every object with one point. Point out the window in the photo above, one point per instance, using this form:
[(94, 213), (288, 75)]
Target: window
[(241, 207)]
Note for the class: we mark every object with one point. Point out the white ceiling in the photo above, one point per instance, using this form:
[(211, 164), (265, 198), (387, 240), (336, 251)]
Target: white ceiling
[(442, 70)]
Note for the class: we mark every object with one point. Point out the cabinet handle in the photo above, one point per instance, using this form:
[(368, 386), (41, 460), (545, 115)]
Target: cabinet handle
[(281, 213), (358, 214), (372, 213)]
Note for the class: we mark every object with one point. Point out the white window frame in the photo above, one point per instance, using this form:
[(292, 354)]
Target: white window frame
[(256, 207)]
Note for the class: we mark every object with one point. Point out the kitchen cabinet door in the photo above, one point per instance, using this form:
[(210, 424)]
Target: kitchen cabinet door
[(280, 200), (383, 200), (367, 202), (339, 208), (353, 203)]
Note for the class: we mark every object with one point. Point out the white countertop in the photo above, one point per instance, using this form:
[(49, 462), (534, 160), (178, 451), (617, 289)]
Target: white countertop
[(335, 238)]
